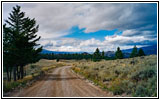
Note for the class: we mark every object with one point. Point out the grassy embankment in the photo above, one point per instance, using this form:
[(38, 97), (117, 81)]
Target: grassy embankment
[(133, 76), (33, 72)]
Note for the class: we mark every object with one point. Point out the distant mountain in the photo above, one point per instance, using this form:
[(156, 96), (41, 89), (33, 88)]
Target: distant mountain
[(109, 53), (148, 50), (44, 51)]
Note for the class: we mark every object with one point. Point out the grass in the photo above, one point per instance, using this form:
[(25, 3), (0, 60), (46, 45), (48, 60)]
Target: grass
[(133, 76), (33, 72), (8, 86)]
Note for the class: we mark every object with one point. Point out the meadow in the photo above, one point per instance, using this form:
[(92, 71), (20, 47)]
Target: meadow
[(130, 77)]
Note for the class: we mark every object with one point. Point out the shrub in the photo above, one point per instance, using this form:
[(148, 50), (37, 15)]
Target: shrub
[(133, 76), (146, 89), (117, 87), (32, 66), (8, 86), (47, 68), (57, 60), (144, 73)]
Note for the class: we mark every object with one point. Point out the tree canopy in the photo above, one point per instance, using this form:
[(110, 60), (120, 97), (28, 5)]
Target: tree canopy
[(119, 54), (134, 52), (97, 55), (141, 52), (19, 36)]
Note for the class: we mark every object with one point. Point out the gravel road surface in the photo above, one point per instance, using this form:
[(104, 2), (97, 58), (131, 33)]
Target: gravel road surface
[(61, 82)]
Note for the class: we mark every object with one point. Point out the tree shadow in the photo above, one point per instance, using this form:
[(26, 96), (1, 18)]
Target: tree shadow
[(59, 77)]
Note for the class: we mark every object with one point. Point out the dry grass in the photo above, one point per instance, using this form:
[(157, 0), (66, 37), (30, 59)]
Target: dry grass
[(130, 76), (33, 72), (42, 65)]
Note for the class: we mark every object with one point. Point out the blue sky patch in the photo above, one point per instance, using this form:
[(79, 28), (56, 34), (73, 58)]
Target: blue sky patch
[(76, 32)]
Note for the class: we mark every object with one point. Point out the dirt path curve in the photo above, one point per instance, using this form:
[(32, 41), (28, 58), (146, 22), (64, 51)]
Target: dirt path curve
[(62, 82)]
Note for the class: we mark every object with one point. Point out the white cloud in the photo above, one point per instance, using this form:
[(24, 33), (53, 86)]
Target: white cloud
[(91, 42), (58, 18), (109, 44), (124, 40), (137, 21)]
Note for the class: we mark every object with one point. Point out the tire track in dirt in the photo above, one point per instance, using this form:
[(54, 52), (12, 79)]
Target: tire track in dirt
[(62, 82)]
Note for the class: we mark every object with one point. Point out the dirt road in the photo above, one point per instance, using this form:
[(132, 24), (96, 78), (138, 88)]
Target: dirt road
[(62, 82)]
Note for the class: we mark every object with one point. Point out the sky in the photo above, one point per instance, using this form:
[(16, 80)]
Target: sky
[(83, 27)]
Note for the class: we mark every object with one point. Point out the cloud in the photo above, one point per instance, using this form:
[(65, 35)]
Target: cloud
[(58, 18), (125, 40), (91, 42), (136, 21), (109, 44), (134, 32)]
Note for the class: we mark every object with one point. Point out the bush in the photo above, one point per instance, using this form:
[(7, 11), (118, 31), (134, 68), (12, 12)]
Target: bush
[(133, 76), (8, 86), (57, 60), (144, 73), (47, 68), (117, 87), (32, 66), (146, 89)]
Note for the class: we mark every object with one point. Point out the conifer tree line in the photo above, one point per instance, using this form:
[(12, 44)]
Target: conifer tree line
[(96, 56), (134, 53), (19, 43)]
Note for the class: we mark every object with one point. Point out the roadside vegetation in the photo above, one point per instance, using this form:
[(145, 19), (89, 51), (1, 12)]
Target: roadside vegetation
[(33, 72), (133, 76)]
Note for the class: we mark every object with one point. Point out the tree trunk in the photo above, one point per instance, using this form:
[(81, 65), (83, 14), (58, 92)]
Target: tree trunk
[(14, 73), (18, 73), (8, 74), (22, 71)]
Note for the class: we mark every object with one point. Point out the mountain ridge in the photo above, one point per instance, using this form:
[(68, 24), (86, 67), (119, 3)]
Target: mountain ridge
[(148, 50)]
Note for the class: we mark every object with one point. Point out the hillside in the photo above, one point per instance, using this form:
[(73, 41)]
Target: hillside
[(148, 50), (133, 76)]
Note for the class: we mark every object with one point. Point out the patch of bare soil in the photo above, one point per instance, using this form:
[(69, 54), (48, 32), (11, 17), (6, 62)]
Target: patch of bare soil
[(61, 82)]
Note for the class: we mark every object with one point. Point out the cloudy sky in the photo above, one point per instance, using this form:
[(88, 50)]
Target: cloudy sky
[(85, 26)]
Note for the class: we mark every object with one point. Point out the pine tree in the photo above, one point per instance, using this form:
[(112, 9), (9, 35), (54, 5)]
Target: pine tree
[(141, 52), (96, 55), (23, 47), (119, 54), (134, 52), (7, 54), (103, 55)]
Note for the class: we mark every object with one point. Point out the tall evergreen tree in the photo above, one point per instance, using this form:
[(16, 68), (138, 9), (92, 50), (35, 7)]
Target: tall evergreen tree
[(141, 52), (119, 54), (134, 52), (23, 47), (103, 55), (7, 54), (96, 55)]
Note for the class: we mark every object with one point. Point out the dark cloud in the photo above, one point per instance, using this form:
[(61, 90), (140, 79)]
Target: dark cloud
[(136, 21), (48, 45)]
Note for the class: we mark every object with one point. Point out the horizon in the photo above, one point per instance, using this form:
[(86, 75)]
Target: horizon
[(94, 51), (83, 27)]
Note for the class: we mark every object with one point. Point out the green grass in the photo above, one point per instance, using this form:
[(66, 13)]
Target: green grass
[(133, 76)]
